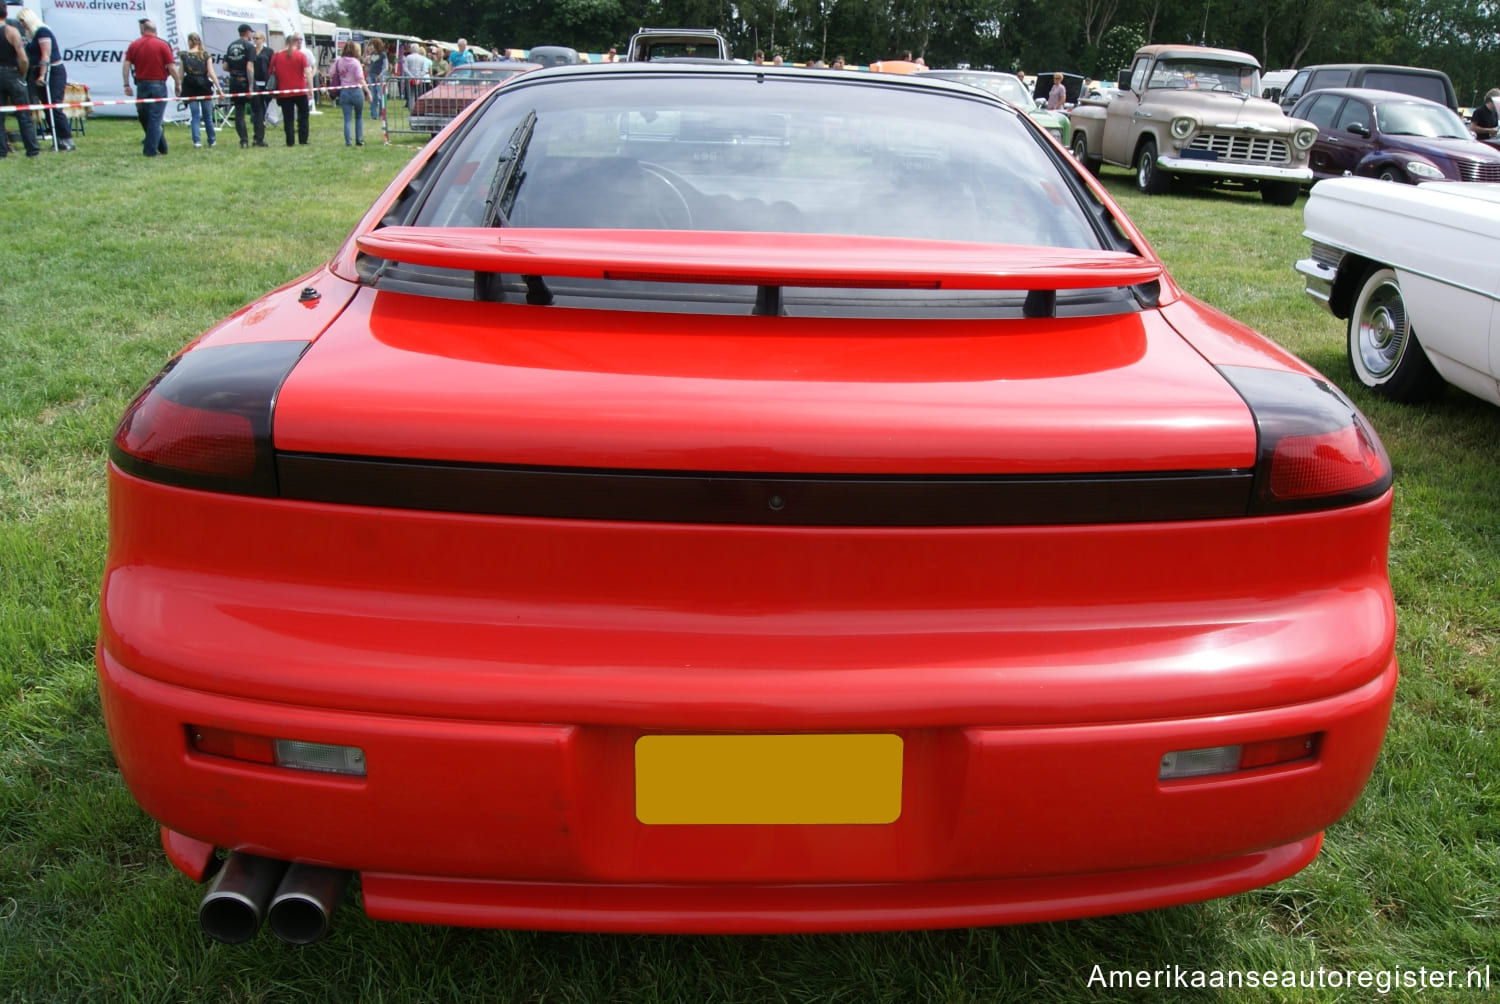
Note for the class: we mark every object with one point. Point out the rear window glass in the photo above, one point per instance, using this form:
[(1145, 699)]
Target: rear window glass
[(741, 153), (1329, 78), (1416, 84)]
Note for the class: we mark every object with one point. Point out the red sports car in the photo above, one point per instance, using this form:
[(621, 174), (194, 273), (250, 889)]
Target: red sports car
[(714, 498)]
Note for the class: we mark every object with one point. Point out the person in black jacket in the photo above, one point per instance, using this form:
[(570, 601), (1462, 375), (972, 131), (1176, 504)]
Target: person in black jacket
[(49, 75), (13, 69), (260, 83), (237, 60)]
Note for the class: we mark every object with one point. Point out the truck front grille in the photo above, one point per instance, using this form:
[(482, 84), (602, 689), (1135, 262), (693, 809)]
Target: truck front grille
[(1239, 147)]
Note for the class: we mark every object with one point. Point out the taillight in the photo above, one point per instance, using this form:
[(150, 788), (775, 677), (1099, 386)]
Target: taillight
[(165, 433), (1316, 451), (204, 421), (1330, 463)]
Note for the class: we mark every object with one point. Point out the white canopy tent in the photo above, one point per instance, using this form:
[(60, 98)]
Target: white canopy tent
[(94, 38)]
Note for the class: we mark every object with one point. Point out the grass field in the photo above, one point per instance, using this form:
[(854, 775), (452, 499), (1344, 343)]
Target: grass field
[(114, 261)]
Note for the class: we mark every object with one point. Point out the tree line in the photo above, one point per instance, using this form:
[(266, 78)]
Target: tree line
[(1093, 37)]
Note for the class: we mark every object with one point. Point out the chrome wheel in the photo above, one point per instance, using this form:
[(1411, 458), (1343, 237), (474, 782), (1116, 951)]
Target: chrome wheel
[(1148, 175), (1383, 329), (1384, 352)]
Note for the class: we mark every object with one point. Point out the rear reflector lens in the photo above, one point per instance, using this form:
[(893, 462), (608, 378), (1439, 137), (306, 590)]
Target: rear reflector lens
[(293, 754), (320, 756), (1232, 759), (234, 745)]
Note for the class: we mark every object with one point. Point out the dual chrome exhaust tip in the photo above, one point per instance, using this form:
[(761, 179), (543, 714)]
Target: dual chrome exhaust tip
[(296, 900)]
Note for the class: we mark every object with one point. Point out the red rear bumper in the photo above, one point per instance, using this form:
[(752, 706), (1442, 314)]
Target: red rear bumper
[(534, 826), (497, 673)]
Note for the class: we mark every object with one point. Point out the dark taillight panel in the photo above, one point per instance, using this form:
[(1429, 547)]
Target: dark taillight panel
[(204, 421), (1316, 451)]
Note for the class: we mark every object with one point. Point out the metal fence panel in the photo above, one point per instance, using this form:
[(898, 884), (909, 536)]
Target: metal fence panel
[(422, 106)]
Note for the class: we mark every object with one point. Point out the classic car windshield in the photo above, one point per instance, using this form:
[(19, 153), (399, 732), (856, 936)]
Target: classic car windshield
[(466, 74), (1206, 75), (746, 153), (1412, 118), (1002, 85)]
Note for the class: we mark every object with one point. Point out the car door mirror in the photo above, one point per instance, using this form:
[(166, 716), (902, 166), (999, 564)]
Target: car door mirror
[(1359, 129), (1123, 78)]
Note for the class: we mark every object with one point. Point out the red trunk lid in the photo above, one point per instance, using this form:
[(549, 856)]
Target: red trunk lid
[(407, 376)]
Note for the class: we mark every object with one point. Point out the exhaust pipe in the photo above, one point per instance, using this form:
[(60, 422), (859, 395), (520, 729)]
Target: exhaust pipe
[(304, 901), (235, 903)]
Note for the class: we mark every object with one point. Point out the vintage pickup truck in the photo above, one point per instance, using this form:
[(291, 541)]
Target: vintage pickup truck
[(1186, 110)]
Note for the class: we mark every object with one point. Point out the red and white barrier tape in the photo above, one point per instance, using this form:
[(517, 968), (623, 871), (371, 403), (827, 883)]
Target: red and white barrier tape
[(8, 109)]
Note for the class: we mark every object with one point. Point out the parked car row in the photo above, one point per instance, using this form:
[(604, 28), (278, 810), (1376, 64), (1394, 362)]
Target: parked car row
[(1192, 113)]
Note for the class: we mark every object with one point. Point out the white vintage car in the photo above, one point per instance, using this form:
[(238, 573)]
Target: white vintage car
[(1415, 270)]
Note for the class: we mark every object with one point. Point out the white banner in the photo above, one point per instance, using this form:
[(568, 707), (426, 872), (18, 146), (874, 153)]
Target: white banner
[(94, 35)]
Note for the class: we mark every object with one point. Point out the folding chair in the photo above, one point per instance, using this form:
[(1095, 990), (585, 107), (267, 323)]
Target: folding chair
[(223, 111)]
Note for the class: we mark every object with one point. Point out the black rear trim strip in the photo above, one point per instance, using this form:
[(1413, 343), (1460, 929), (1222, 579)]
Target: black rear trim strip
[(765, 499)]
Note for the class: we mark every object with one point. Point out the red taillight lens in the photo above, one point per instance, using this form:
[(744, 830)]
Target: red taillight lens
[(1268, 752), (1331, 463), (1316, 451), (163, 432), (205, 420)]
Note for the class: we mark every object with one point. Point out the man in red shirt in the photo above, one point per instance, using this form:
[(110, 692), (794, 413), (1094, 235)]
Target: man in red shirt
[(153, 62), (292, 71)]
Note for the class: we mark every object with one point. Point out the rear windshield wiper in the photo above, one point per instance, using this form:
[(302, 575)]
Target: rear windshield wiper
[(508, 176), (499, 204)]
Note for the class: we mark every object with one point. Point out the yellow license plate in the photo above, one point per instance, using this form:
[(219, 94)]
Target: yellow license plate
[(768, 779)]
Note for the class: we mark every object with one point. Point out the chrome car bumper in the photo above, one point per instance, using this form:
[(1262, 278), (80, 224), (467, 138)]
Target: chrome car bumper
[(1318, 280), (1232, 169)]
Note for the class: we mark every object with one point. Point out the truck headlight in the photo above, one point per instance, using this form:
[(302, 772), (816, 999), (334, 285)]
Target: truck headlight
[(1183, 126), (1305, 138)]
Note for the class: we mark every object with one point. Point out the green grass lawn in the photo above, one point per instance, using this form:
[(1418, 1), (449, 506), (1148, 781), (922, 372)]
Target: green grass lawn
[(115, 261)]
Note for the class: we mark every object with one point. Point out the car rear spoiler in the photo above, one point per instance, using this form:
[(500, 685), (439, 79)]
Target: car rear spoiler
[(766, 260)]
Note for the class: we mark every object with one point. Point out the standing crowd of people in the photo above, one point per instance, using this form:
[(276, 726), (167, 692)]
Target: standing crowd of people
[(262, 85)]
